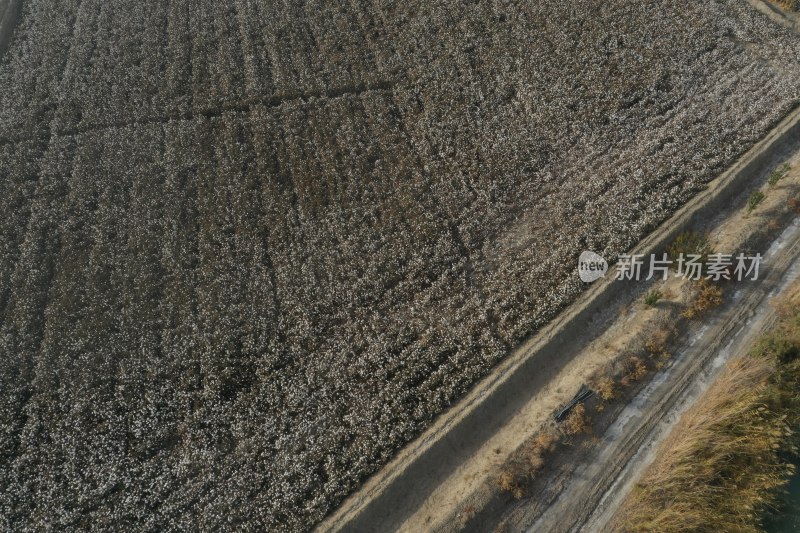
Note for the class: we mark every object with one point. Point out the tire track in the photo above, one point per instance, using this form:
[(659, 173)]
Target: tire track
[(589, 500)]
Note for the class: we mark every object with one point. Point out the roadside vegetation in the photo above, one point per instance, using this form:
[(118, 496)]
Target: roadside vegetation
[(707, 296), (645, 355), (689, 243), (778, 174), (727, 457), (788, 5), (652, 297), (756, 198), (651, 348)]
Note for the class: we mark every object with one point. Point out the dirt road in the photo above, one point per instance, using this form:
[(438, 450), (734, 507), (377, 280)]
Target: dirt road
[(598, 487), (9, 14)]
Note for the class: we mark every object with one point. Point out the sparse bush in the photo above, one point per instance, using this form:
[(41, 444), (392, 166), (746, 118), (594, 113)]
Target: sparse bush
[(576, 422), (657, 339), (652, 297), (707, 296), (541, 445), (605, 388), (755, 198), (778, 174), (689, 243), (508, 482), (635, 370)]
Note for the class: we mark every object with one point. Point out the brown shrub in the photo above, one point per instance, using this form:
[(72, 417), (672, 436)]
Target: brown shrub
[(508, 481), (542, 444), (788, 5), (545, 441), (605, 388), (707, 297), (657, 341), (635, 370), (577, 421), (536, 461)]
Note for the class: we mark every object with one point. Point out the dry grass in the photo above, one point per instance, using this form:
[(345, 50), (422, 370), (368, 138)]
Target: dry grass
[(509, 482), (788, 5), (720, 468), (635, 370), (688, 243), (707, 296), (657, 340), (576, 422), (605, 388), (469, 510)]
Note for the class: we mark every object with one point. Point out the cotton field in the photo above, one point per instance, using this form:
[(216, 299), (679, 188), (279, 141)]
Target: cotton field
[(249, 249)]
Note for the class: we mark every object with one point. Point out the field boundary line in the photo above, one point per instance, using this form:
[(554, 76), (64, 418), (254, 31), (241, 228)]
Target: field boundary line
[(787, 20)]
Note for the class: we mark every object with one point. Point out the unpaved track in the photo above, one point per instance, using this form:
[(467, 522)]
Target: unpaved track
[(9, 15), (787, 20), (597, 488)]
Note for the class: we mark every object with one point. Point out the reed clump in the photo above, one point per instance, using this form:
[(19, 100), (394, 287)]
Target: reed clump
[(722, 465)]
